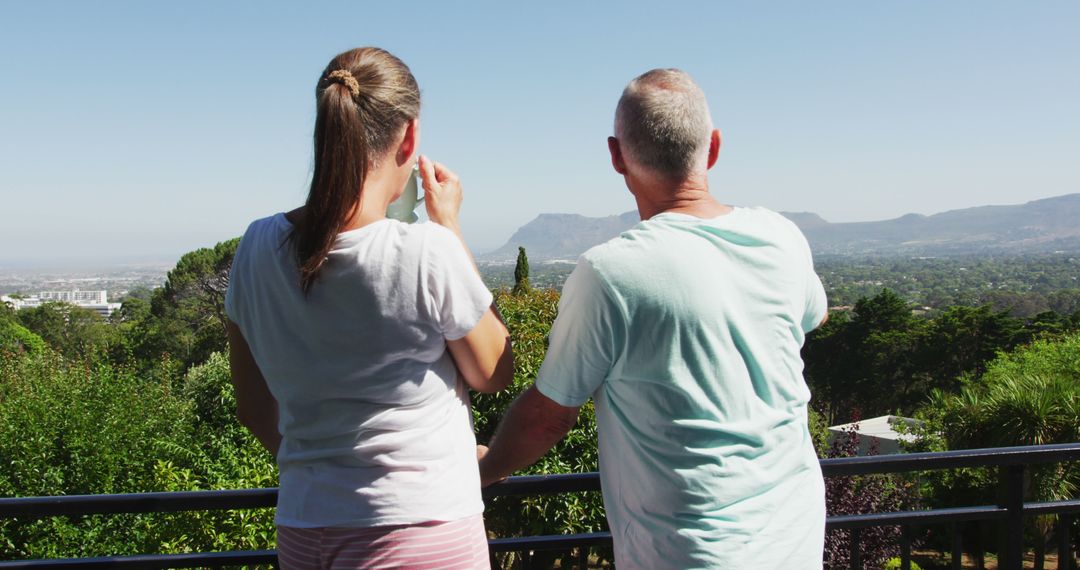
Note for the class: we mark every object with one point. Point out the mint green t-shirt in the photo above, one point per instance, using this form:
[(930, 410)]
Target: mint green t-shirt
[(687, 333)]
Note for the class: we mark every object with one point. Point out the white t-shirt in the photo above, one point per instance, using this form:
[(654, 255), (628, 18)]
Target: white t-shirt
[(375, 421), (686, 333)]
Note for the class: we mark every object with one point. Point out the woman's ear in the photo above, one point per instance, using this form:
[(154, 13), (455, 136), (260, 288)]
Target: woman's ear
[(410, 142)]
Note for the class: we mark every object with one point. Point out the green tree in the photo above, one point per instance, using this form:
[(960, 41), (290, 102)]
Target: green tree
[(1065, 301), (72, 331), (17, 338), (78, 427), (881, 358), (521, 273), (863, 361), (186, 318), (1030, 396), (529, 317), (962, 340)]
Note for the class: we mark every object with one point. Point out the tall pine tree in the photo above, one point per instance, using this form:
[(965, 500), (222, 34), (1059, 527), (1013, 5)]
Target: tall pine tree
[(521, 273)]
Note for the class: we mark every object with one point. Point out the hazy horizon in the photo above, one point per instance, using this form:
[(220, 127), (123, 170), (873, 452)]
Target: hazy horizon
[(167, 260), (134, 131)]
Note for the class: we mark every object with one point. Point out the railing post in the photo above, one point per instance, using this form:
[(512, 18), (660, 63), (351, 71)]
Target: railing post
[(583, 557), (1065, 555), (1012, 481), (856, 549), (905, 547), (957, 548)]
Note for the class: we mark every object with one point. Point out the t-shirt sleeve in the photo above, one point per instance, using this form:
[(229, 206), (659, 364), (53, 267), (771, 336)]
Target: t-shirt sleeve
[(457, 297), (816, 305), (232, 309), (582, 342)]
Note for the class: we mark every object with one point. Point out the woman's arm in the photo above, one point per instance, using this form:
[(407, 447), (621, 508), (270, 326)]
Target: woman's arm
[(255, 405), (483, 356)]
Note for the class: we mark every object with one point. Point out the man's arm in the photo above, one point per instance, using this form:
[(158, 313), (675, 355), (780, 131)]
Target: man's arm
[(532, 426)]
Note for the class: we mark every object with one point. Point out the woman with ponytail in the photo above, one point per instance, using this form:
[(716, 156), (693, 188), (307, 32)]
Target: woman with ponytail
[(354, 339)]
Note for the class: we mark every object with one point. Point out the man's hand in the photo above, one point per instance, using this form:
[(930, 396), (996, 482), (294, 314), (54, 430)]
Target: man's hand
[(481, 451), (533, 425)]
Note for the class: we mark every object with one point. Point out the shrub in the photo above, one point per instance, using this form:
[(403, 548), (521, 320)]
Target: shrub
[(529, 316), (861, 494), (73, 427), (894, 564), (1030, 396), (17, 338)]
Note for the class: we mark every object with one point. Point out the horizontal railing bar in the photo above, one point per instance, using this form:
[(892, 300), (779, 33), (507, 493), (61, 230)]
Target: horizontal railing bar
[(1022, 455), (1052, 507), (176, 501), (957, 514), (35, 507), (540, 484), (163, 502), (159, 561), (947, 515), (149, 561), (549, 542), (533, 484)]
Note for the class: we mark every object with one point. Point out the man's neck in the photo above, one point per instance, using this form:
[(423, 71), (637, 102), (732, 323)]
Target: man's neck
[(690, 197)]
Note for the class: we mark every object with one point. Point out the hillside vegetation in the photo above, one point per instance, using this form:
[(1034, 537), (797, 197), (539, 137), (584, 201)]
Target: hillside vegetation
[(143, 402)]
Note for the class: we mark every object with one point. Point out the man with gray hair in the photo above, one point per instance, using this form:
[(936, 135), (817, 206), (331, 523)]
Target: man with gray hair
[(686, 331)]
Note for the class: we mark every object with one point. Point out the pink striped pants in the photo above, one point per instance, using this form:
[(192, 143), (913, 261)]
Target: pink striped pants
[(455, 545)]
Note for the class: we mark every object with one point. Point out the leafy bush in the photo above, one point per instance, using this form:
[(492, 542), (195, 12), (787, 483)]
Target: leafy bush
[(75, 427), (16, 338), (1030, 396), (858, 495), (73, 331), (225, 456), (894, 564), (529, 316), (882, 359), (185, 319)]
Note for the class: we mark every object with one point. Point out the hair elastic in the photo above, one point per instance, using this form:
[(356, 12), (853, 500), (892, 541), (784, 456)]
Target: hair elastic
[(345, 78)]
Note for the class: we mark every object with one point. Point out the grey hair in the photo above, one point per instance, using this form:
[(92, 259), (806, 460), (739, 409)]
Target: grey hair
[(663, 122)]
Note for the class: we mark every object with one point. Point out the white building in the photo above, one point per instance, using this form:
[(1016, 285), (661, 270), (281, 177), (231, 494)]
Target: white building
[(878, 433), (97, 301)]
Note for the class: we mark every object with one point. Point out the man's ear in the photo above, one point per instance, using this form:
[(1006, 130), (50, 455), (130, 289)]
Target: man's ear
[(617, 160), (410, 141), (714, 147)]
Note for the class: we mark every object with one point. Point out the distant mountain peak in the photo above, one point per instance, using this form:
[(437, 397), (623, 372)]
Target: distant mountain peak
[(562, 236), (1047, 224), (805, 219)]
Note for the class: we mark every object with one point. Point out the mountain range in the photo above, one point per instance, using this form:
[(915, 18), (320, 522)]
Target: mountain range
[(1039, 226)]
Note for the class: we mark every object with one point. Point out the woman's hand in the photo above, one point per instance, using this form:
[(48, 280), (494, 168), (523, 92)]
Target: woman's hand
[(442, 193)]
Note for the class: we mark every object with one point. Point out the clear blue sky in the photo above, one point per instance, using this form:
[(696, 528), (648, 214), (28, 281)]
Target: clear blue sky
[(147, 129)]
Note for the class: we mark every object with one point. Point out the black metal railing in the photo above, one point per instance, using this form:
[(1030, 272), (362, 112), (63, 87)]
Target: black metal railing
[(1013, 461)]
